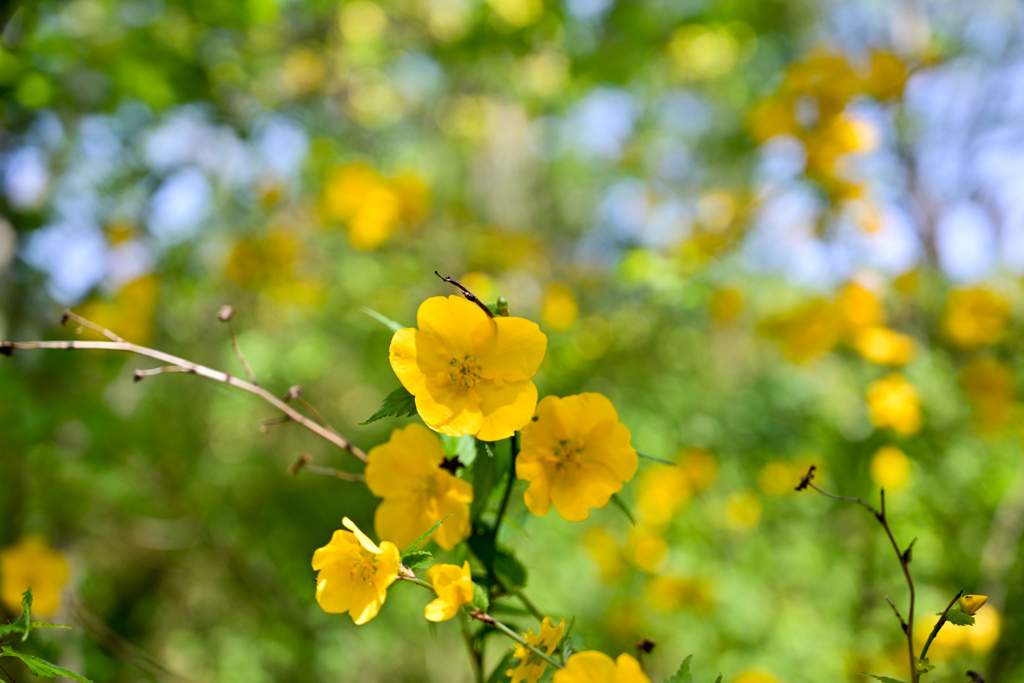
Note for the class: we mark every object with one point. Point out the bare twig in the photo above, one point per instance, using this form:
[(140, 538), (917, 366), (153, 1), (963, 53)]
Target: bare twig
[(466, 293), (181, 365), (224, 315), (304, 463), (901, 556)]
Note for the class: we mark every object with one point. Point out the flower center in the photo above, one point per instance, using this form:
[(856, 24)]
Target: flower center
[(567, 455), (465, 371), (365, 569)]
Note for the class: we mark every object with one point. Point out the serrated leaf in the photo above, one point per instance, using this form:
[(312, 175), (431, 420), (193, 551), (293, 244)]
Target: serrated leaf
[(485, 477), (655, 459), (26, 613), (418, 559), (683, 674), (958, 617), (461, 447), (884, 679), (510, 569), (426, 534), (399, 403), (41, 667), (499, 675), (621, 504), (480, 599), (383, 320)]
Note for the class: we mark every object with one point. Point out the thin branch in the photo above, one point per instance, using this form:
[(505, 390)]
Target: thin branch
[(488, 619), (82, 322), (305, 464), (939, 623), (466, 293), (7, 347), (908, 625), (224, 315), (903, 624)]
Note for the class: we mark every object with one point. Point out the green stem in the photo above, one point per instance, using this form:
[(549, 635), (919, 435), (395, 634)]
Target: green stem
[(938, 625), (488, 619), (514, 448), (527, 604), (418, 582)]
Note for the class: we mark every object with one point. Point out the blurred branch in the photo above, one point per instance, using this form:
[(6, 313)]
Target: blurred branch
[(939, 623), (903, 556), (182, 365), (305, 464)]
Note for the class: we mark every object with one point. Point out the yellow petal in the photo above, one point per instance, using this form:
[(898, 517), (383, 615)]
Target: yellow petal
[(401, 520), (516, 352), (590, 487), (343, 546), (610, 447), (334, 588), (505, 409), (449, 410), (416, 358), (451, 321), (972, 603), (628, 670), (439, 610), (456, 508), (398, 467), (587, 667), (364, 540), (529, 467), (366, 603)]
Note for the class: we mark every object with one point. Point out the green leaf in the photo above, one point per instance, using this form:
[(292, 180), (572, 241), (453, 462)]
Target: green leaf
[(383, 320), (683, 674), (509, 568), (41, 667), (958, 617), (499, 675), (46, 624), (461, 447), (924, 666), (719, 679), (480, 599), (26, 613), (884, 679), (655, 459), (418, 559), (399, 403), (621, 504), (485, 478), (426, 534), (16, 627)]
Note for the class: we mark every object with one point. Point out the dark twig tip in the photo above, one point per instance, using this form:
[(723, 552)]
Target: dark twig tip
[(646, 646), (975, 677), (225, 313), (138, 375), (805, 480), (6, 349), (65, 316)]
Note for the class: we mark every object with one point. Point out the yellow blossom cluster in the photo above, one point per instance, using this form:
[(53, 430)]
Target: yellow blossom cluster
[(893, 402), (975, 318), (811, 105), (989, 384), (372, 206)]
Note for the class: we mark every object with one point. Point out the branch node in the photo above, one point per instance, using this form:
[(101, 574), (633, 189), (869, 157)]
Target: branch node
[(65, 316), (293, 392), (805, 480), (299, 464), (138, 375)]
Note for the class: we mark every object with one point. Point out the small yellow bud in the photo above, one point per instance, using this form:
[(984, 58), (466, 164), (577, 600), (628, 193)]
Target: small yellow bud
[(972, 603)]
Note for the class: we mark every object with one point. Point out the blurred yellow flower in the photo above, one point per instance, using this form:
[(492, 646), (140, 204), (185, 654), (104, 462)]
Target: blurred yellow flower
[(884, 346), (671, 594), (406, 472), (559, 310), (972, 603), (470, 373), (983, 635), (597, 667), (700, 466), (661, 491), (354, 574), (32, 563), (806, 332), (531, 667), (575, 454), (975, 317), (131, 314), (742, 510), (778, 478), (989, 385), (887, 77), (858, 309), (980, 638), (893, 402), (303, 72), (454, 588), (726, 305), (890, 467), (755, 676), (605, 552), (646, 549)]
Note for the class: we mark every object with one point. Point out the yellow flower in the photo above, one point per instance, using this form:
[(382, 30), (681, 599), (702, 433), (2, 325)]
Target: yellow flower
[(470, 373), (354, 574), (31, 563), (884, 346), (806, 332), (671, 594), (531, 667), (975, 317), (454, 587), (605, 552), (972, 603), (661, 491), (575, 455), (725, 305), (858, 308), (893, 402), (559, 310), (406, 472), (890, 467), (743, 510), (646, 549), (989, 385), (597, 667)]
